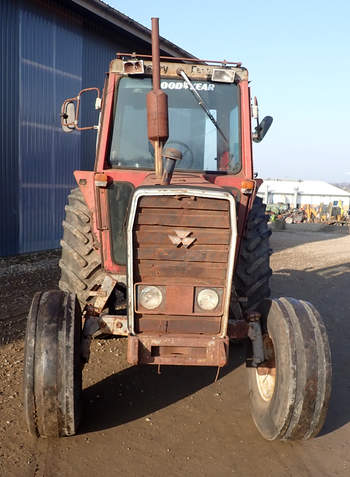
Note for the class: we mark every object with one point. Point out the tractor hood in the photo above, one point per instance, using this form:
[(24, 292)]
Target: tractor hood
[(185, 179)]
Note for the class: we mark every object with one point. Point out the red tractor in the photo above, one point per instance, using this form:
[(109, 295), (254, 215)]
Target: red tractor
[(166, 242)]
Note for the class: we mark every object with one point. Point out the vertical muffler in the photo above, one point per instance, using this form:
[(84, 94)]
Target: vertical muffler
[(157, 105)]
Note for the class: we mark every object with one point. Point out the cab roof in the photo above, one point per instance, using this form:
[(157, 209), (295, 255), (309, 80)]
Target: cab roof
[(195, 70)]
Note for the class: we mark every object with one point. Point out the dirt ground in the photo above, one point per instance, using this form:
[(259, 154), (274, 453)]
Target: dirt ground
[(181, 422)]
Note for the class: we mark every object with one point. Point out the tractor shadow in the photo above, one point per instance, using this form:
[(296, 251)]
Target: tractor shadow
[(139, 391), (329, 290)]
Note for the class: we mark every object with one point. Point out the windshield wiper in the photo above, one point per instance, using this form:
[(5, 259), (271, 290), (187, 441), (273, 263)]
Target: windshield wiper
[(201, 102)]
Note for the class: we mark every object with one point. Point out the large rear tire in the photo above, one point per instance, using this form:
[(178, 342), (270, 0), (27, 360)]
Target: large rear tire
[(289, 393), (52, 365), (253, 272), (81, 269)]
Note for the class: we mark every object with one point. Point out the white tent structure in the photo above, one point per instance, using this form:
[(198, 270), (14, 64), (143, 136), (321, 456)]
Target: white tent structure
[(297, 193)]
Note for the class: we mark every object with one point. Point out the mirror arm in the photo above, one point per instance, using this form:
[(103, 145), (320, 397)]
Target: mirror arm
[(85, 128), (255, 115)]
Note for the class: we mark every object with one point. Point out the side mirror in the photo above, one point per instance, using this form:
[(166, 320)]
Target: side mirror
[(262, 128), (70, 111), (68, 115)]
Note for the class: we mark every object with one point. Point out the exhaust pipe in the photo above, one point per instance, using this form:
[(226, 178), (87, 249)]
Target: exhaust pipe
[(171, 155), (157, 105)]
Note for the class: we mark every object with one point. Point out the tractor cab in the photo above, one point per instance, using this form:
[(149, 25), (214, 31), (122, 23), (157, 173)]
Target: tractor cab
[(208, 137)]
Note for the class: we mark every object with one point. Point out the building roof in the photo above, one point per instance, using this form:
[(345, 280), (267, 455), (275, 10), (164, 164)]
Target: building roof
[(118, 19), (282, 186)]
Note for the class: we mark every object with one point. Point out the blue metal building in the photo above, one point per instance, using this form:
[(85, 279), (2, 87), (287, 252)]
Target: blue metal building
[(50, 50)]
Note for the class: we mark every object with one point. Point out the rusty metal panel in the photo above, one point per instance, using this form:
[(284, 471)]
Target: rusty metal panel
[(150, 270), (156, 235), (178, 350), (176, 306), (202, 253), (151, 324), (200, 325), (188, 218), (197, 203), (207, 325)]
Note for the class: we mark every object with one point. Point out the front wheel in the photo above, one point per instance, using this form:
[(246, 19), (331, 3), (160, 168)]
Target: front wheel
[(289, 393), (52, 365)]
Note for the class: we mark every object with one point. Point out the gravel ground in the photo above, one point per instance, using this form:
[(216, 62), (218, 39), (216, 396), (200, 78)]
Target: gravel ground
[(180, 422), (20, 277)]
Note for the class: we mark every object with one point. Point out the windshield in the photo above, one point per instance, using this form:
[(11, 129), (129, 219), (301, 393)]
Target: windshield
[(191, 130)]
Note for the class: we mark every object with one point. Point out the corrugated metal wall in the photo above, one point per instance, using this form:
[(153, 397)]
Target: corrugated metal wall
[(9, 78), (50, 70), (48, 53)]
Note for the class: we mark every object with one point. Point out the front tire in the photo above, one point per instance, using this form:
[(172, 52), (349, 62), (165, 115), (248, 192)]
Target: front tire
[(52, 365), (289, 393)]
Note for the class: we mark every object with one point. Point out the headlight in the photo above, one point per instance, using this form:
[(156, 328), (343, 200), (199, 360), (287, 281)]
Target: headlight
[(208, 299), (150, 297)]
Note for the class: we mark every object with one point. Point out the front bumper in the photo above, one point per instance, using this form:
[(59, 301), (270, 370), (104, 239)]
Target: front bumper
[(178, 350)]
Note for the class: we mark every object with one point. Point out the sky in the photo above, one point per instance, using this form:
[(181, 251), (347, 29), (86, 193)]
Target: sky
[(298, 57)]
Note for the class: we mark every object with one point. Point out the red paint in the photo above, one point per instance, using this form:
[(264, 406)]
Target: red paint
[(247, 164), (106, 123), (138, 177), (123, 175)]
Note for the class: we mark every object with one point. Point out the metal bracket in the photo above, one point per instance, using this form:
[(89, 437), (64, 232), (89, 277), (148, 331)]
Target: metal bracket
[(256, 338), (114, 324), (106, 289), (91, 325), (107, 324)]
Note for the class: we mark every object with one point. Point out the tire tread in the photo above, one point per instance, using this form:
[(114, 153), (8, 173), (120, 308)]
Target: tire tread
[(253, 270), (81, 267)]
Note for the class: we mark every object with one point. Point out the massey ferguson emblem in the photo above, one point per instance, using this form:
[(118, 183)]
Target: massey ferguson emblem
[(182, 238)]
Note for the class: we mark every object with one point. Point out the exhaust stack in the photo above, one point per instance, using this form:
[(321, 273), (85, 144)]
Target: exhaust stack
[(157, 105), (171, 155)]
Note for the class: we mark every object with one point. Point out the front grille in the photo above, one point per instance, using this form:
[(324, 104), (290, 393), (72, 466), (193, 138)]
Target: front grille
[(181, 242)]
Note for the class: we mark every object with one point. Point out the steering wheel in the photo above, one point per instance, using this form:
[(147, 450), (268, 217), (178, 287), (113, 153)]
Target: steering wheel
[(187, 154)]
